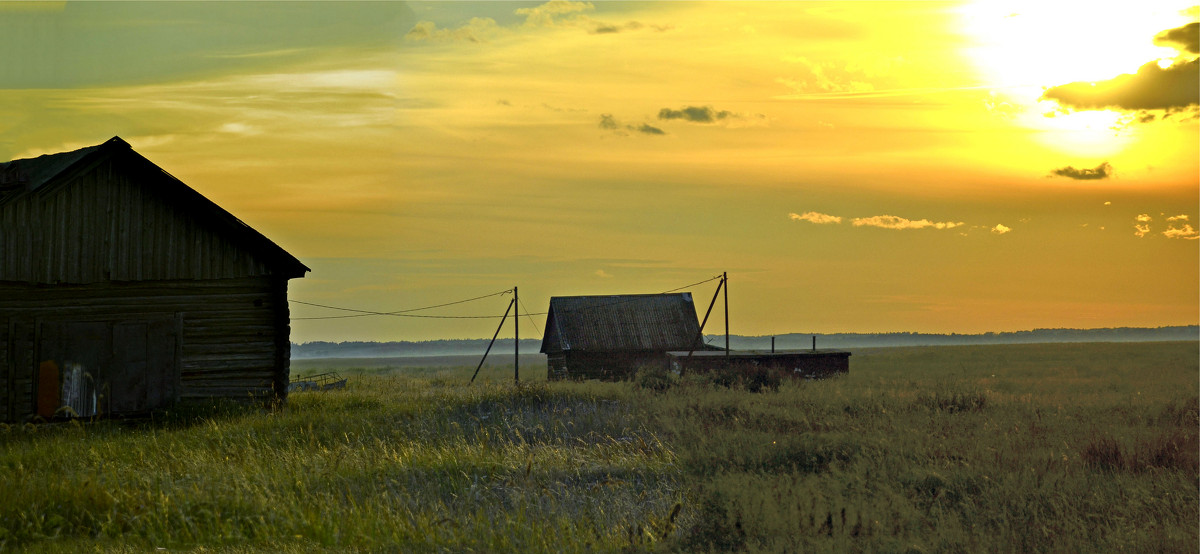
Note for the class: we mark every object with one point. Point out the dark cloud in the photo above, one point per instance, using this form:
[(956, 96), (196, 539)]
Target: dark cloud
[(1151, 88), (1102, 171), (1187, 37), (607, 121), (695, 114)]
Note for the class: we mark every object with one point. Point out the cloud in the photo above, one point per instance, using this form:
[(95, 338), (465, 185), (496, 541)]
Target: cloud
[(479, 29), (1142, 227), (603, 274), (564, 13), (1001, 229), (1152, 88), (1187, 37), (695, 114), (1102, 171), (1180, 217), (1186, 232), (834, 77), (815, 217), (610, 123), (549, 13), (895, 222)]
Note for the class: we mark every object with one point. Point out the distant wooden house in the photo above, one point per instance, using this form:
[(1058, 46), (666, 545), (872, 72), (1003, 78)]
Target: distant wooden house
[(610, 337), (123, 290)]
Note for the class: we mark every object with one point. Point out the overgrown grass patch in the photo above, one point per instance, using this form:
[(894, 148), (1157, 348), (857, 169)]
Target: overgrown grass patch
[(392, 463), (1081, 448)]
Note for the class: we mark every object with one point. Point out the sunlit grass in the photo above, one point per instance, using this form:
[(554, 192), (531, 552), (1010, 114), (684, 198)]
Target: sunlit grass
[(997, 448)]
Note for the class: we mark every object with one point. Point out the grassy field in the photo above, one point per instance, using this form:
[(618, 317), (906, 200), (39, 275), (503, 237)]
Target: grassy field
[(1066, 447)]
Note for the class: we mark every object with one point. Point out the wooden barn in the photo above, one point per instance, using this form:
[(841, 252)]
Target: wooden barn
[(123, 290), (610, 337)]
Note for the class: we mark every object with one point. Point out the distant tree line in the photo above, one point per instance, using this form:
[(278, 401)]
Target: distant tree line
[(790, 341)]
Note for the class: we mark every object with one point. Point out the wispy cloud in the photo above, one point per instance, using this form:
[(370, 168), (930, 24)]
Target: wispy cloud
[(479, 29), (896, 222), (815, 217), (552, 12), (1102, 171), (565, 13), (1180, 217)]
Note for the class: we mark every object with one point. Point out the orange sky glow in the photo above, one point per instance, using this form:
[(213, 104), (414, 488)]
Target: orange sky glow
[(854, 166)]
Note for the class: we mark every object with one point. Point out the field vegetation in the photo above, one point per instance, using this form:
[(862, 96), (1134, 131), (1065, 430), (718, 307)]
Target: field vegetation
[(1052, 447)]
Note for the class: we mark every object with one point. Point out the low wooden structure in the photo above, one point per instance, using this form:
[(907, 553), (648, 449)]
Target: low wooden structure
[(807, 364), (610, 337), (123, 290)]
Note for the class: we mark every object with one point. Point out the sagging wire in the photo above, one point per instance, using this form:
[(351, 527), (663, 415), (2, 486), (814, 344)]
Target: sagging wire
[(530, 316), (618, 302), (407, 312)]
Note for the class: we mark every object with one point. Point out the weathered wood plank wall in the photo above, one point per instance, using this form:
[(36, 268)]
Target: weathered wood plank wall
[(227, 336), (108, 226)]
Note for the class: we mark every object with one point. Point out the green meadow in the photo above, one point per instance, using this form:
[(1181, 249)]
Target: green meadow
[(1013, 448)]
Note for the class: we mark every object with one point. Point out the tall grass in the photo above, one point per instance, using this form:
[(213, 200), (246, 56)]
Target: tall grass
[(394, 463), (1080, 448), (948, 449)]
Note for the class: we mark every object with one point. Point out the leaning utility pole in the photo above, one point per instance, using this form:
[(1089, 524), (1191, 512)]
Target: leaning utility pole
[(516, 338), (725, 281)]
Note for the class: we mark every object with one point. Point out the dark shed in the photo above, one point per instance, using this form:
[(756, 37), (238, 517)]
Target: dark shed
[(609, 337), (123, 290)]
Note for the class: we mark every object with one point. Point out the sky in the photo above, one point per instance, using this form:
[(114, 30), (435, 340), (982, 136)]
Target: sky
[(854, 167)]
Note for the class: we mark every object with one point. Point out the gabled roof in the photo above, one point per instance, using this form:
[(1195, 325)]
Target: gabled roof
[(631, 322), (29, 176)]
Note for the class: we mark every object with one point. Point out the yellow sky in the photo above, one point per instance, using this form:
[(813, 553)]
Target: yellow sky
[(855, 167)]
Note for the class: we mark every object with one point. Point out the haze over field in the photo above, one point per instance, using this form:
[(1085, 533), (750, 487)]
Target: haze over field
[(855, 167)]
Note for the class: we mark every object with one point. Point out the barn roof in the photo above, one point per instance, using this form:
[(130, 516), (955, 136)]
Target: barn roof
[(26, 176), (631, 322)]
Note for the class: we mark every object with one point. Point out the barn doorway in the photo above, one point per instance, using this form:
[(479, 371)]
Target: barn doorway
[(126, 366)]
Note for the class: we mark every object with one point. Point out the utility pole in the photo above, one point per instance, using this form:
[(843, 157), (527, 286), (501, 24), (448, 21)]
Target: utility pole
[(516, 338), (725, 280)]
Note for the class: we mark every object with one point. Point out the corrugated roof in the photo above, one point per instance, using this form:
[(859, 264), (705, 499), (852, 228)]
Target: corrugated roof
[(631, 322), (29, 175)]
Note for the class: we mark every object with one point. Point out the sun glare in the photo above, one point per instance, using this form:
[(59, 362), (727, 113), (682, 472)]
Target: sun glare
[(1043, 44), (1021, 48)]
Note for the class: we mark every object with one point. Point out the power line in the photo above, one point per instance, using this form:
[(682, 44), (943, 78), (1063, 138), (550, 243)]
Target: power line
[(530, 316), (407, 312), (618, 302), (404, 313)]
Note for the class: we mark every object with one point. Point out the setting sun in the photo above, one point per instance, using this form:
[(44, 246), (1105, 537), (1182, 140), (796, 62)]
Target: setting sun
[(1025, 46)]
